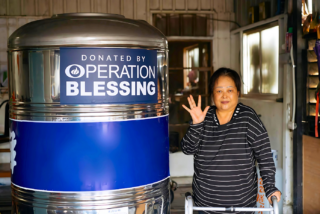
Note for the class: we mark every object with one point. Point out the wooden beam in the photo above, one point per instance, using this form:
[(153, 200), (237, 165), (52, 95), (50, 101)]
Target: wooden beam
[(260, 23), (193, 68), (190, 38)]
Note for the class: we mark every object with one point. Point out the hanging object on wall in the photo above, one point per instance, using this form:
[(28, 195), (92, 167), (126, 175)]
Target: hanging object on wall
[(318, 28), (304, 12), (317, 51), (253, 14), (289, 39), (314, 23), (264, 10), (306, 24), (280, 6)]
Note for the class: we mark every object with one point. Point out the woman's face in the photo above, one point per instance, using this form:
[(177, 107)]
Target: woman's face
[(225, 94)]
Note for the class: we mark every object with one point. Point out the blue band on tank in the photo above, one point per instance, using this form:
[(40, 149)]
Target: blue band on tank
[(90, 156)]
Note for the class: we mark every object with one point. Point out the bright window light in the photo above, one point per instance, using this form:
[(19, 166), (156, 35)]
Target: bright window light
[(261, 61), (270, 60)]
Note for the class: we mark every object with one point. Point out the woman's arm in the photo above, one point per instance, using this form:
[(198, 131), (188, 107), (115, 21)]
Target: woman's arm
[(191, 140), (260, 143)]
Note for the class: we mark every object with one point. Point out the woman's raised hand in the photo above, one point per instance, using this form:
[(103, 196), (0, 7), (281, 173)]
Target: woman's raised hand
[(195, 111)]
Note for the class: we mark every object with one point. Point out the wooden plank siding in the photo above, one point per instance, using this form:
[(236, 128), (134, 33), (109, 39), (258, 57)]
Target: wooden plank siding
[(311, 174), (14, 13), (180, 5), (127, 9), (50, 7), (167, 4)]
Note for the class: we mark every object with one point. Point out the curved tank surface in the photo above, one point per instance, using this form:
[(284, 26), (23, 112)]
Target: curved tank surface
[(89, 116)]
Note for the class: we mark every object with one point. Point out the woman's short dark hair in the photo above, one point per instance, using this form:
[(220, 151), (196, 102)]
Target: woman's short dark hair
[(225, 72)]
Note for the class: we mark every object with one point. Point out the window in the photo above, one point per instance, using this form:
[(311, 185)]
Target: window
[(189, 73), (191, 60), (261, 61)]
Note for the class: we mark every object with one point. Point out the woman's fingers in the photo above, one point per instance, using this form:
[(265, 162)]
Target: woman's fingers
[(277, 194), (199, 101), (191, 113), (206, 110), (194, 118), (192, 101), (186, 108)]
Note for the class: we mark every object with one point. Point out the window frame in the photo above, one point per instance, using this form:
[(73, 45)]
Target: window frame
[(261, 95)]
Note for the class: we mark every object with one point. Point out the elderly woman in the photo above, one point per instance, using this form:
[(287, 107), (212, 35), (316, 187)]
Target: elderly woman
[(226, 140)]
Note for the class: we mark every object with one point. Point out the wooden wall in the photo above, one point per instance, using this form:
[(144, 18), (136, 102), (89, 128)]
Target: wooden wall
[(14, 13), (311, 174), (137, 9)]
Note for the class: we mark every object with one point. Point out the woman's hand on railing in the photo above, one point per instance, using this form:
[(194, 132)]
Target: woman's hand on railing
[(195, 111), (277, 194)]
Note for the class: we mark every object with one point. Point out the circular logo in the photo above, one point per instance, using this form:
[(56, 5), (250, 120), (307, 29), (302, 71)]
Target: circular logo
[(75, 71)]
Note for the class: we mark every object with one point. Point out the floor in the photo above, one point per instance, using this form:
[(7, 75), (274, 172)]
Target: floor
[(184, 186), (177, 205), (5, 199)]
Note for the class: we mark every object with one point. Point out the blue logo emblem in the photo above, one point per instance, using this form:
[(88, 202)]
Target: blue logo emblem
[(77, 72)]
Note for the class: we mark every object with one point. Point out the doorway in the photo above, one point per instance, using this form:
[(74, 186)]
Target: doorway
[(189, 73)]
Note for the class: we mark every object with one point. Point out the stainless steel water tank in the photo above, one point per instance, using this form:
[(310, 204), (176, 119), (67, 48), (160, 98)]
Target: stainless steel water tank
[(89, 116)]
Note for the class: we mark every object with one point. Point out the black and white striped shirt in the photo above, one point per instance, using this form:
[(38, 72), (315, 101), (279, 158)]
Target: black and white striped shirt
[(224, 159)]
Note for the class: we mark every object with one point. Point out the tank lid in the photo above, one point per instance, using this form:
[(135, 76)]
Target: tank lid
[(87, 15), (87, 29)]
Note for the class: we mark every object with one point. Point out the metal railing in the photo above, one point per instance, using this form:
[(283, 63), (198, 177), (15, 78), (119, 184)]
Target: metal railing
[(189, 207)]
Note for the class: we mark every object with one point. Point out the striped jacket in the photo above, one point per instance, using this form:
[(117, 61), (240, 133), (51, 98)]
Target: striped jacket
[(225, 156)]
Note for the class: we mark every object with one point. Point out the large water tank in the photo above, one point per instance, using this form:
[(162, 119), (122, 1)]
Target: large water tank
[(89, 116)]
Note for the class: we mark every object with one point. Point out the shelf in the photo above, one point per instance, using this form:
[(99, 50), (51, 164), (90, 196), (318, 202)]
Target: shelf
[(5, 171), (187, 94), (193, 68), (4, 150), (312, 35)]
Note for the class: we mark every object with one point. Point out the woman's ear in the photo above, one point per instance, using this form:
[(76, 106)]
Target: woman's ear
[(238, 93)]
